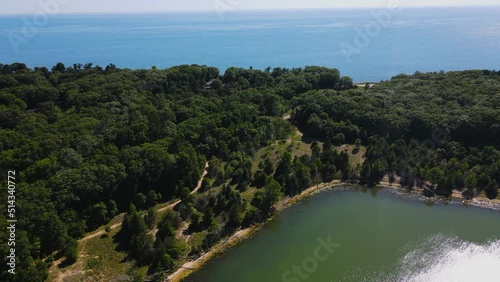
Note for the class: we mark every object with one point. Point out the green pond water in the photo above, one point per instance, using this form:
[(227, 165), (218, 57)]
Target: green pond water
[(374, 235)]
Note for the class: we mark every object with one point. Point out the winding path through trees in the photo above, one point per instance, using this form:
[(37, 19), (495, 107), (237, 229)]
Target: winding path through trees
[(171, 206), (59, 276)]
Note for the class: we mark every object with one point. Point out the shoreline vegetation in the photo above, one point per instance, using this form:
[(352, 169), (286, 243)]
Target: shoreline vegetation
[(98, 150), (242, 235)]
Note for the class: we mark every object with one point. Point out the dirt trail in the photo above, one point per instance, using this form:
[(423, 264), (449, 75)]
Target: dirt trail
[(198, 186), (60, 276), (243, 233), (99, 233), (297, 131)]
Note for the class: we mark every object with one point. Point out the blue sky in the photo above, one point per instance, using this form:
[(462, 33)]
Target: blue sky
[(123, 6)]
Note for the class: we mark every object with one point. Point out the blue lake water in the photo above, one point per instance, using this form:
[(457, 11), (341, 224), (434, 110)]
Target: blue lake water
[(429, 39)]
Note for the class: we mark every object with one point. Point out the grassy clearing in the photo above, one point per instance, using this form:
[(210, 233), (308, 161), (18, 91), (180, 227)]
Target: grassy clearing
[(99, 260), (102, 261), (298, 146), (196, 241), (295, 145), (356, 156)]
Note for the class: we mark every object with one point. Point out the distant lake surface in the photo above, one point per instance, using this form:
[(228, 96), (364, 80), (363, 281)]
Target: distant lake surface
[(374, 236), (431, 39)]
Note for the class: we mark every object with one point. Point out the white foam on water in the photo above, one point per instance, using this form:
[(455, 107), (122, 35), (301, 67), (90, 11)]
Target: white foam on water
[(443, 258)]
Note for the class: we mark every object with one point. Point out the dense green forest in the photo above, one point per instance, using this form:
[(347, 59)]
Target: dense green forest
[(438, 127), (88, 143)]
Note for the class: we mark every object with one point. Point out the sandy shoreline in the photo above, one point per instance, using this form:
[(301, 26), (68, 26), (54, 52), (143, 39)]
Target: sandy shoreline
[(219, 248), (480, 201), (243, 234)]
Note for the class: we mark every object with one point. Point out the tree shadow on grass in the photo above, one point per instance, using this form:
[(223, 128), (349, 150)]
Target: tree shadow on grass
[(308, 139), (65, 263), (121, 246)]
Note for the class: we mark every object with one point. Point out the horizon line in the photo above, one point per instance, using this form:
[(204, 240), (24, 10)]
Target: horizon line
[(206, 11)]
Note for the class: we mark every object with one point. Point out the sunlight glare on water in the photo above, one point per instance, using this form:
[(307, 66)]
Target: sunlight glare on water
[(446, 258)]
